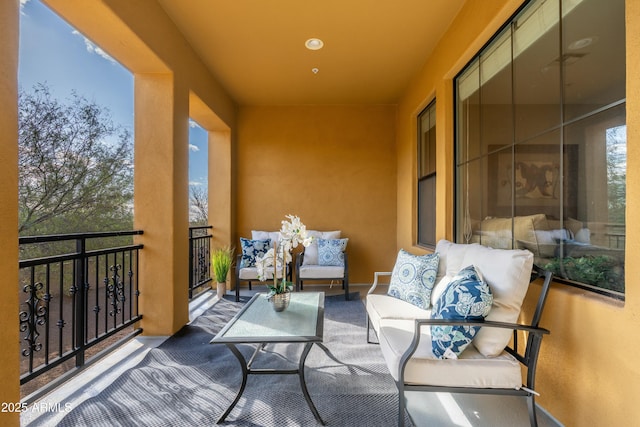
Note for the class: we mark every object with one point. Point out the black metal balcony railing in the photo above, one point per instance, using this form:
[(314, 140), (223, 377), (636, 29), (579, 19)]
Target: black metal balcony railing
[(199, 259), (77, 299)]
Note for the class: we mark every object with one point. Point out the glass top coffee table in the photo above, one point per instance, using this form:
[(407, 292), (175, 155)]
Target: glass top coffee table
[(257, 323)]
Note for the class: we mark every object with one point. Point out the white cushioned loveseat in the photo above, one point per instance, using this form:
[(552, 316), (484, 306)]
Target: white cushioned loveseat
[(491, 363)]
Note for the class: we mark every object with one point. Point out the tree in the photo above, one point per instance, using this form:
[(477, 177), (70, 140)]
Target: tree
[(198, 206), (75, 166), (616, 146)]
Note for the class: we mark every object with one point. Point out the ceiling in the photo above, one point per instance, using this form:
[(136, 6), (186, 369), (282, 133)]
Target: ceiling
[(255, 48)]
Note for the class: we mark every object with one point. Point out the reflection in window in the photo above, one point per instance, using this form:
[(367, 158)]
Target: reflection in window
[(616, 140), (541, 141)]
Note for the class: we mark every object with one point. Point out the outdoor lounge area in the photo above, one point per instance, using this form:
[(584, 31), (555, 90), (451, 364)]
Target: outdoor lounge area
[(410, 128), (139, 372)]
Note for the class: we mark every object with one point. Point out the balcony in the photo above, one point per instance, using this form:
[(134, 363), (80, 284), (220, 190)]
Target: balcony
[(347, 163)]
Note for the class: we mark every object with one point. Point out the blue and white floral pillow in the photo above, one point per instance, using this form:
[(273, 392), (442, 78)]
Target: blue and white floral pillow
[(414, 277), (252, 249), (466, 297), (331, 251)]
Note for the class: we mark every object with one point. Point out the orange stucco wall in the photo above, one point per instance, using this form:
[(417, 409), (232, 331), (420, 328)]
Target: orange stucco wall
[(588, 372), (334, 166), (9, 357)]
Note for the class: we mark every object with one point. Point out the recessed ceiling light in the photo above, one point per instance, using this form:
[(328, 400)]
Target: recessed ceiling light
[(582, 43), (314, 70), (314, 44)]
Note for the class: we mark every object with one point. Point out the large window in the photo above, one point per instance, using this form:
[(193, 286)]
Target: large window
[(541, 141), (427, 176)]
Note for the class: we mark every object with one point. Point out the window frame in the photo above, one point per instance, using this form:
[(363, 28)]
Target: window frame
[(426, 177), (460, 162)]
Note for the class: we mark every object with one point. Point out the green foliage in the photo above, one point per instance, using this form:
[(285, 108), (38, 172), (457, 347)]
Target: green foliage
[(75, 166), (280, 287), (601, 270), (221, 260)]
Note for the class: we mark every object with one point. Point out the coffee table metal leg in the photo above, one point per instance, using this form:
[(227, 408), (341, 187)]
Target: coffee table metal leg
[(303, 384), (243, 365), (245, 373)]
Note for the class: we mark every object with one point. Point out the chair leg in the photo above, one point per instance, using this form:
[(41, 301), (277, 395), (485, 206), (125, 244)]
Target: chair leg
[(249, 284), (531, 404), (345, 285), (401, 405)]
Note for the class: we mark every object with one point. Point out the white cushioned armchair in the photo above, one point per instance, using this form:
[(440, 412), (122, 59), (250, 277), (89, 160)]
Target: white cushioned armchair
[(246, 270), (324, 260)]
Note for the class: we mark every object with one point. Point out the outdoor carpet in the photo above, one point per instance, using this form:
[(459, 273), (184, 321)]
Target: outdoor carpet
[(188, 382)]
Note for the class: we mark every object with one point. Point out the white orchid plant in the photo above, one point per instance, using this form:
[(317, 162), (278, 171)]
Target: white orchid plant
[(292, 234)]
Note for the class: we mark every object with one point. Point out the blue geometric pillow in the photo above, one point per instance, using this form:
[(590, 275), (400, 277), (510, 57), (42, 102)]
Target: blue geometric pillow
[(414, 277), (331, 251), (252, 249), (466, 297)]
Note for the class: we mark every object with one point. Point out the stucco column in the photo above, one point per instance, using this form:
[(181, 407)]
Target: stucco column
[(219, 177), (161, 201), (9, 334)]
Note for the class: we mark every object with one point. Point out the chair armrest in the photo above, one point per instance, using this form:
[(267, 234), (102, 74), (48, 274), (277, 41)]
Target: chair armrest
[(535, 332), (346, 265), (375, 280), (238, 259), (481, 323), (290, 271), (299, 259)]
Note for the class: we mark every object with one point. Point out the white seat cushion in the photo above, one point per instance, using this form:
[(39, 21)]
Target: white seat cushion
[(321, 272), (471, 369), (388, 307), (251, 273)]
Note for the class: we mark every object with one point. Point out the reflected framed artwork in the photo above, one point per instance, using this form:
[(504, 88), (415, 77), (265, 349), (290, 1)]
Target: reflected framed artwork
[(533, 177)]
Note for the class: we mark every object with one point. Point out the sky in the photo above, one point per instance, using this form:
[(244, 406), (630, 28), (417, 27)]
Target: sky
[(54, 53)]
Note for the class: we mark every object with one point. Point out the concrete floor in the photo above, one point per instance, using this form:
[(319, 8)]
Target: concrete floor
[(466, 410)]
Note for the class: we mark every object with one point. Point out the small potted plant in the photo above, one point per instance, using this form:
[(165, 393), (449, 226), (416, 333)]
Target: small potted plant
[(221, 260)]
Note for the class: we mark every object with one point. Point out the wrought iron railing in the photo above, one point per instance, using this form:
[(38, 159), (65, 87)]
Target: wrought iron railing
[(199, 259), (75, 299)]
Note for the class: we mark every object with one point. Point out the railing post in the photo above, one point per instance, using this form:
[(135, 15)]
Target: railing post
[(191, 275), (199, 257), (80, 299)]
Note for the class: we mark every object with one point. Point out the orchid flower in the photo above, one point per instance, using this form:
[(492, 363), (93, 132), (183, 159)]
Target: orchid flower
[(292, 233)]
